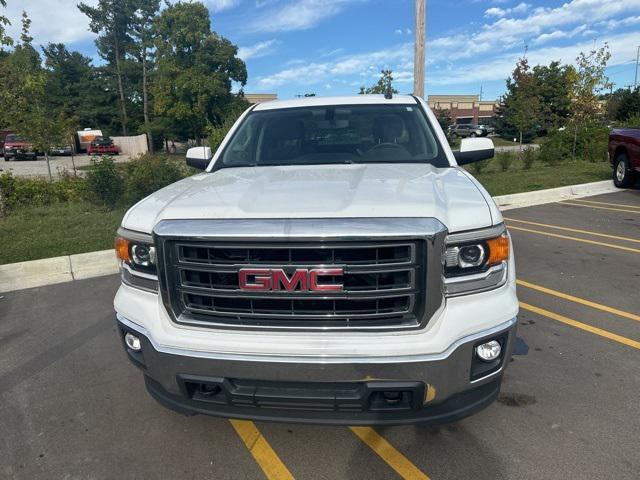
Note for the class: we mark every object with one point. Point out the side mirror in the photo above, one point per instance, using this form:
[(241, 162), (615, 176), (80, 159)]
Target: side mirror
[(474, 150), (199, 157)]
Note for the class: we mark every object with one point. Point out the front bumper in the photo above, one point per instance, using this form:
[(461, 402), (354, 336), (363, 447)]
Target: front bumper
[(434, 388), (20, 154)]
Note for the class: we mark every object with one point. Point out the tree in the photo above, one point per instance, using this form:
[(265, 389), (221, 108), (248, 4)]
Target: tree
[(553, 88), (25, 100), (5, 40), (625, 104), (384, 82), (520, 107), (588, 80), (25, 38), (143, 38), (112, 21), (444, 119), (195, 68)]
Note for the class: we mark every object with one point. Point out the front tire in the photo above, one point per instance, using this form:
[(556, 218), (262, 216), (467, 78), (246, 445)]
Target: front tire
[(623, 177)]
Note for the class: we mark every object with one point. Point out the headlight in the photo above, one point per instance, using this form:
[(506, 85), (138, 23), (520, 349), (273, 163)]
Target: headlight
[(476, 261), (137, 257)]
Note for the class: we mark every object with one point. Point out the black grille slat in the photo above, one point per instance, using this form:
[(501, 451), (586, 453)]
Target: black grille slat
[(383, 283)]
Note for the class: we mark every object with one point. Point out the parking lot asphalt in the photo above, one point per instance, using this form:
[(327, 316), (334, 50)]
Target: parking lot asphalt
[(72, 407)]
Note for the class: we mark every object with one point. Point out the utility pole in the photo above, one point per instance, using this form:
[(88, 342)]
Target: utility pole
[(418, 58), (635, 81)]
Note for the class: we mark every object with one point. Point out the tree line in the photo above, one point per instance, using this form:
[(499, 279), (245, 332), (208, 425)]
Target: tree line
[(163, 72)]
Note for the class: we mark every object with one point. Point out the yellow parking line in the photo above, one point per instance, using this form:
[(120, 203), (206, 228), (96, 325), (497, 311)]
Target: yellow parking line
[(601, 208), (582, 301), (262, 452), (389, 454), (576, 230), (581, 326), (624, 205), (576, 239)]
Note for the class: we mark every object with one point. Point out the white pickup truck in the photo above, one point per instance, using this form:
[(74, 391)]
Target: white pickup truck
[(332, 264)]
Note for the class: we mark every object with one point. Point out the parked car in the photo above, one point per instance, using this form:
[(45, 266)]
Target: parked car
[(332, 264), (3, 134), (467, 130), (62, 150), (18, 148), (624, 155), (490, 129), (102, 146)]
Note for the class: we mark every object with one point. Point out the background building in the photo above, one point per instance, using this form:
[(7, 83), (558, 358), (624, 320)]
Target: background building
[(260, 97), (465, 108)]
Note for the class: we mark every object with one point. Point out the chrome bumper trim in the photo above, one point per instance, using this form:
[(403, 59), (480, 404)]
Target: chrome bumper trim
[(315, 359)]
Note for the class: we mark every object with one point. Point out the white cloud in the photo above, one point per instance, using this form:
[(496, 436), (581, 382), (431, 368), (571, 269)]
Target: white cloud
[(257, 50), (298, 15), (52, 20), (619, 22), (495, 12), (219, 5), (503, 12), (623, 47), (331, 53), (320, 72), (505, 33), (560, 34), (399, 31)]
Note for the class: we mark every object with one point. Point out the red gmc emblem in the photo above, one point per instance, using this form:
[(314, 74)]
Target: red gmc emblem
[(301, 280)]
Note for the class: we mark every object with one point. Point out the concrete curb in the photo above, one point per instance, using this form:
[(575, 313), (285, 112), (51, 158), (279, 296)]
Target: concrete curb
[(37, 273), (550, 195)]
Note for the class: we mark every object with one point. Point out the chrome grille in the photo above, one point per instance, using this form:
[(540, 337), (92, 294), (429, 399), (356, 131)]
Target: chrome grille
[(383, 283)]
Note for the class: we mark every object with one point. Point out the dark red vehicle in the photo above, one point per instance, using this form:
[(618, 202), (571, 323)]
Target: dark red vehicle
[(3, 133), (18, 148), (102, 146), (624, 154)]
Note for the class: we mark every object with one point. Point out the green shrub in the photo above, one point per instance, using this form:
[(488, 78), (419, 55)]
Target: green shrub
[(17, 191), (104, 183), (149, 173), (633, 122), (591, 142), (478, 167), (556, 147), (505, 159), (528, 156)]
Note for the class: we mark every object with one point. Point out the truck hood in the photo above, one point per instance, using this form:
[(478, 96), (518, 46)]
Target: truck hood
[(322, 191)]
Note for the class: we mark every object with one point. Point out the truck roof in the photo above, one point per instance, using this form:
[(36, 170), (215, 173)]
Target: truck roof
[(345, 100)]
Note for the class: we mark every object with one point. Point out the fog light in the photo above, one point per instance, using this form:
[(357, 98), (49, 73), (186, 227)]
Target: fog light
[(489, 351), (133, 342)]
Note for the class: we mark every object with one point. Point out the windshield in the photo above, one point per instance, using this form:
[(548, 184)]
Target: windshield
[(334, 134), (14, 138)]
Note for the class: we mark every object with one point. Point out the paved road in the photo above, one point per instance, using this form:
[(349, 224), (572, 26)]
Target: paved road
[(72, 407), (59, 165)]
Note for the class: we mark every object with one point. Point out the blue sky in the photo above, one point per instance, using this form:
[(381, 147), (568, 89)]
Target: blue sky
[(332, 47)]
